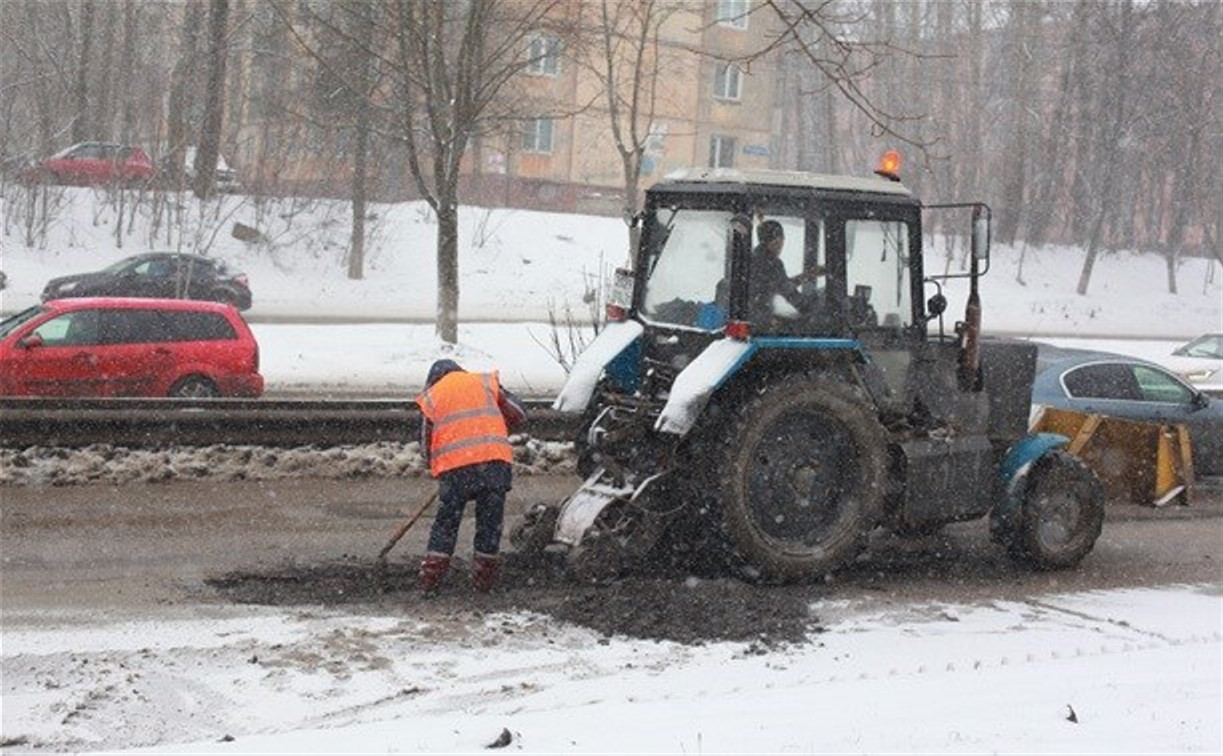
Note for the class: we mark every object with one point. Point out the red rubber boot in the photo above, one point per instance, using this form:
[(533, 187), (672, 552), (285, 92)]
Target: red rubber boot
[(484, 572), (432, 570)]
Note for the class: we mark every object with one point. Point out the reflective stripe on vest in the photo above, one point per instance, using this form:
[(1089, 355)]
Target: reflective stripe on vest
[(468, 427)]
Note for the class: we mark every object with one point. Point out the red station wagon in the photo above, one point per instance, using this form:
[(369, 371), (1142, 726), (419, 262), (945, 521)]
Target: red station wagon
[(128, 347), (94, 163)]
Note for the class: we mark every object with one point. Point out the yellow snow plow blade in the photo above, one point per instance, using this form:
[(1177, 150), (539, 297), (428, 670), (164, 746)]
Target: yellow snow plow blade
[(1147, 463)]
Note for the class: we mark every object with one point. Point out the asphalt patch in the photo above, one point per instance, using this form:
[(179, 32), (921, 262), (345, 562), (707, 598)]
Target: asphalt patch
[(670, 606)]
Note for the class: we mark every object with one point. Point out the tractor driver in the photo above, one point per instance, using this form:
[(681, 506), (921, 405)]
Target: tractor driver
[(768, 277)]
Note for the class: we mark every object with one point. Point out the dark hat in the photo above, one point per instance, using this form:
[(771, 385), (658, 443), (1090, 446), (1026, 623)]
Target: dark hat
[(440, 369), (770, 230)]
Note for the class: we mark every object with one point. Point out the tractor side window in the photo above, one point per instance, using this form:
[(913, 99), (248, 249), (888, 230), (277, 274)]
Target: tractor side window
[(783, 286), (687, 280), (877, 274)]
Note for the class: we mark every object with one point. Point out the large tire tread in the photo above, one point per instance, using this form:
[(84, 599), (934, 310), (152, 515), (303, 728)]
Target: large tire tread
[(745, 549)]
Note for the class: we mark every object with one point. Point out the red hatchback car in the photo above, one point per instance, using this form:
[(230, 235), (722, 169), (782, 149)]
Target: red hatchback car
[(128, 347), (95, 163)]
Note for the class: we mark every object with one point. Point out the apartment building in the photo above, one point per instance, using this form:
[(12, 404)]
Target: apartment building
[(706, 112)]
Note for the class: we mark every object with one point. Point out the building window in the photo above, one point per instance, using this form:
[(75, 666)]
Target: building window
[(732, 13), (537, 136), (721, 151), (544, 56), (727, 79)]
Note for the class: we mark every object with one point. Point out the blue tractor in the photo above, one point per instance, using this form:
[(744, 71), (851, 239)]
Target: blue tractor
[(771, 403)]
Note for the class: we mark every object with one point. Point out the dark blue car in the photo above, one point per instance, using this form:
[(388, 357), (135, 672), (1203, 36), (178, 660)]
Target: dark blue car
[(1132, 389)]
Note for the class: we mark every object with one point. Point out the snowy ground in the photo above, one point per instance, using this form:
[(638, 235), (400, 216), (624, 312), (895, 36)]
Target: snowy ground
[(1128, 671)]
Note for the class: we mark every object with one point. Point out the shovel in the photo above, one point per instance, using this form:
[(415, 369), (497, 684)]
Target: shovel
[(381, 563)]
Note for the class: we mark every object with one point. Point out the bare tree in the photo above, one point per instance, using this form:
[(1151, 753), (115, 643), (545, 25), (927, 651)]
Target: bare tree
[(103, 102), (1023, 16), (214, 105), (626, 59), (128, 70), (183, 87), (451, 64), (829, 38), (367, 80), (1122, 31)]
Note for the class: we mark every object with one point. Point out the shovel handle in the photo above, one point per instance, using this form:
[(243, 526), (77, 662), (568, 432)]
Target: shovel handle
[(404, 527)]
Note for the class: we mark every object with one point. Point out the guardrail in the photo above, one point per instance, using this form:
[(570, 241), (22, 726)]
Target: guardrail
[(144, 423)]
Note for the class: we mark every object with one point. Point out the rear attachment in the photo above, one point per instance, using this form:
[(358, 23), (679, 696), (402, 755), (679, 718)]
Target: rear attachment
[(598, 530)]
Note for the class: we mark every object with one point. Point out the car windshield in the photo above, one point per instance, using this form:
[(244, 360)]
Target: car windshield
[(67, 151), (688, 263), (13, 322), (1210, 345)]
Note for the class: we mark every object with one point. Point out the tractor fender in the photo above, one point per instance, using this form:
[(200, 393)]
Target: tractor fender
[(1013, 476), (714, 366), (612, 343)]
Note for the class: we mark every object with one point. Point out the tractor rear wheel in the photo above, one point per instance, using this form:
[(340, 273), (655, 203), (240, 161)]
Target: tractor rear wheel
[(1062, 514), (803, 476)]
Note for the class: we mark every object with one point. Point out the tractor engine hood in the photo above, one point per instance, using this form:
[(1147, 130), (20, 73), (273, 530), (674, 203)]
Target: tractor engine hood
[(615, 337)]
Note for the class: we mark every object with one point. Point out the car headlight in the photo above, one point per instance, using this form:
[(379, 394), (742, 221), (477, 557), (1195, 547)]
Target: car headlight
[(64, 288), (1198, 375)]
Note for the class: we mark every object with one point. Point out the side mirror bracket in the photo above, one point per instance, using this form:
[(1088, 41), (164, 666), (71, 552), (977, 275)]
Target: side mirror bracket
[(936, 306)]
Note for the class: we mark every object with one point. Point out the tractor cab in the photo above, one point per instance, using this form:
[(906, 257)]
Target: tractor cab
[(772, 254), (800, 271)]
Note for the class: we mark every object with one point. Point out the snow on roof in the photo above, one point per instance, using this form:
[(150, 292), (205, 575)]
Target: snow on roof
[(786, 178)]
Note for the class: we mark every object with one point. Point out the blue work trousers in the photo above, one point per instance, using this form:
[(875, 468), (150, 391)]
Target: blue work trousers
[(486, 483)]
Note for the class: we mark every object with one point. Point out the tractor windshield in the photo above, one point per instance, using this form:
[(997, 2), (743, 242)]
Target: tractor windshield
[(688, 264)]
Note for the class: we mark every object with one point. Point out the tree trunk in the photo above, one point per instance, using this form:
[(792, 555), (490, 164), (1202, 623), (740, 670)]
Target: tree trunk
[(214, 100), (81, 128), (1051, 170), (129, 55), (42, 104), (448, 262), (1116, 128), (103, 111), (632, 180), (973, 152), (235, 86), (1011, 215), (356, 250), (182, 89)]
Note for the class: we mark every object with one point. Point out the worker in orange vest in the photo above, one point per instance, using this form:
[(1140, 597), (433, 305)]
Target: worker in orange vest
[(464, 437)]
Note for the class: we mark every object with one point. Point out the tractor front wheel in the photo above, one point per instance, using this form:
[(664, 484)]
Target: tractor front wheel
[(1061, 516)]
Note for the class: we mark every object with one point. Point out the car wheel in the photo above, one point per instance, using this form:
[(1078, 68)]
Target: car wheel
[(194, 387)]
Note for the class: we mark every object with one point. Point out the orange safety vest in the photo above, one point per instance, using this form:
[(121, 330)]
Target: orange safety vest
[(468, 427)]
